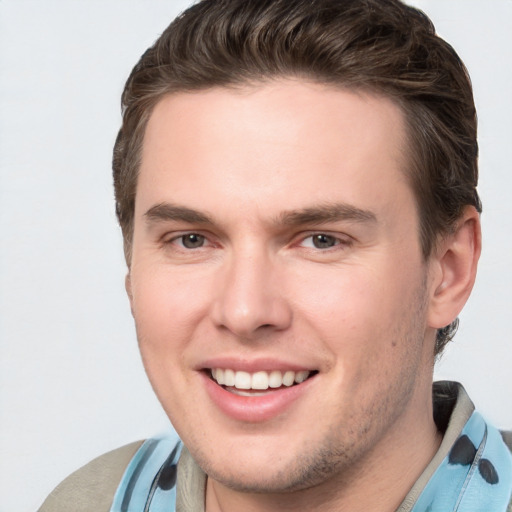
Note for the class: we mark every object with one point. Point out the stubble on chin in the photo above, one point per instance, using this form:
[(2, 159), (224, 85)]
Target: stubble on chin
[(340, 457)]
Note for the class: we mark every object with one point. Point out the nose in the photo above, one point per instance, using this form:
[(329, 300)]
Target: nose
[(250, 300)]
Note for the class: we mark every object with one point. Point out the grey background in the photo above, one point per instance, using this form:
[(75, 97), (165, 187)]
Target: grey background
[(71, 383)]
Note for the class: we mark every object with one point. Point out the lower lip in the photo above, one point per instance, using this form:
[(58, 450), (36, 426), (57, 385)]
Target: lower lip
[(254, 409)]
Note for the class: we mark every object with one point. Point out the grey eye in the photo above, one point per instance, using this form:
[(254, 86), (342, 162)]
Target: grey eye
[(322, 241), (192, 241)]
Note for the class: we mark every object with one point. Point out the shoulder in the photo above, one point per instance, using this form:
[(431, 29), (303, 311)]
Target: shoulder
[(92, 487)]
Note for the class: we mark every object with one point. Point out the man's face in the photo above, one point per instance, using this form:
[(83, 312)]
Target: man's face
[(276, 240)]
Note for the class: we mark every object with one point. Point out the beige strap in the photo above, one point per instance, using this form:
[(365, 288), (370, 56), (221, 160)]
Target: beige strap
[(507, 437), (92, 487), (191, 490)]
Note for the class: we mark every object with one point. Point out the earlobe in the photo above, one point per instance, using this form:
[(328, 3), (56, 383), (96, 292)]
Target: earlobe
[(455, 264)]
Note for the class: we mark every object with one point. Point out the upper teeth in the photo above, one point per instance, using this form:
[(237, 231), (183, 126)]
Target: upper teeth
[(258, 380)]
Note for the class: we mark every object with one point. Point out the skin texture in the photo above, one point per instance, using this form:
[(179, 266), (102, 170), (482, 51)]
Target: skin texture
[(255, 290)]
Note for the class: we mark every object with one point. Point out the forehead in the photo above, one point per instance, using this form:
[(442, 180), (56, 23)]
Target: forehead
[(282, 142)]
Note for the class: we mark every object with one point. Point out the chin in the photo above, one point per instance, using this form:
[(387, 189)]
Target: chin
[(261, 481), (276, 473)]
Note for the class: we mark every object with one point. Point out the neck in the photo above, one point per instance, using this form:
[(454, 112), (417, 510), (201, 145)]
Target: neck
[(379, 481)]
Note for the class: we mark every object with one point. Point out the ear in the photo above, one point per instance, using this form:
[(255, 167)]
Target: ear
[(128, 288), (453, 268)]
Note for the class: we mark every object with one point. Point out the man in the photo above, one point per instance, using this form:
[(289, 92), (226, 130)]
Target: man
[(296, 185)]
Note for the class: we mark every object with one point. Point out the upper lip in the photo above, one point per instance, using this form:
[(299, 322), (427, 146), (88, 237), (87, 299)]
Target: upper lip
[(253, 365)]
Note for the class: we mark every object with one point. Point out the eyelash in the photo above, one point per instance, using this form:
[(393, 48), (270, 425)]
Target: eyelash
[(181, 237), (338, 242)]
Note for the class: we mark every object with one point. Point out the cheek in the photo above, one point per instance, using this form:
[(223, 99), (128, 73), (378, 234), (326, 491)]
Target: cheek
[(167, 305), (342, 301), (359, 311), (168, 309), (165, 313)]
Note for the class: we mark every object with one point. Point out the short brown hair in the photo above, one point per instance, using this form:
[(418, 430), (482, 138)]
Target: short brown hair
[(381, 46)]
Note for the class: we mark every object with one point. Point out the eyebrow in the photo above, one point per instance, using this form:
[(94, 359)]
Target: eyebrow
[(327, 213), (170, 212), (313, 215)]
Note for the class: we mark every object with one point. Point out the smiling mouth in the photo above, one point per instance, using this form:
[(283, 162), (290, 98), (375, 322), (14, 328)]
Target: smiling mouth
[(258, 383)]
